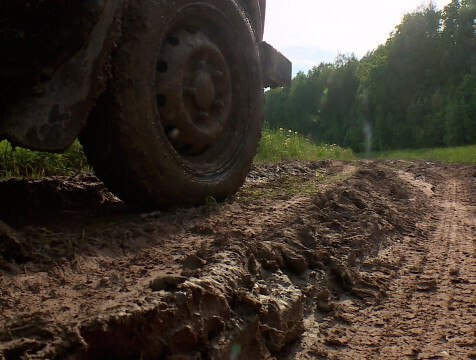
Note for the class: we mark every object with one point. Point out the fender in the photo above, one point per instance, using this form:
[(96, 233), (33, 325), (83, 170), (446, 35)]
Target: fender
[(49, 117), (256, 10), (52, 119)]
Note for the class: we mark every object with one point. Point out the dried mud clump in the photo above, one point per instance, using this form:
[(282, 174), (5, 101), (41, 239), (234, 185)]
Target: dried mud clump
[(26, 202), (11, 246)]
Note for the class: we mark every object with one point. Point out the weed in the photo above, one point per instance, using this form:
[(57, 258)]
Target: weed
[(461, 155), (284, 144), (275, 146), (17, 162)]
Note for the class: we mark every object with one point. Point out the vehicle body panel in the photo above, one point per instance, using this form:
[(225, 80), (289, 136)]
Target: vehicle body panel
[(51, 78), (51, 112)]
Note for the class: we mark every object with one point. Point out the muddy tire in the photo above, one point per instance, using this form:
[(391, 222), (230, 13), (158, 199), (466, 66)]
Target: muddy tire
[(182, 116)]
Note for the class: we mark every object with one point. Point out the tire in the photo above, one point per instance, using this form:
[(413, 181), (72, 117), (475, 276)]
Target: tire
[(182, 117)]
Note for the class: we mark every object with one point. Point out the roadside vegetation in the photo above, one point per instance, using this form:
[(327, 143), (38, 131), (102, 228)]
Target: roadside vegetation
[(281, 144), (456, 155), (417, 90), (275, 146), (23, 163)]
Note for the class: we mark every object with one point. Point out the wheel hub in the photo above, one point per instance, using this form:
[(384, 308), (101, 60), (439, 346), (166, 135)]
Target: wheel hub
[(193, 91), (204, 90)]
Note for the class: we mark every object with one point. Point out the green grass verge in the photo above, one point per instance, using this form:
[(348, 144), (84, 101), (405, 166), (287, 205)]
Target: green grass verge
[(456, 155), (288, 186), (22, 163), (283, 144), (275, 146)]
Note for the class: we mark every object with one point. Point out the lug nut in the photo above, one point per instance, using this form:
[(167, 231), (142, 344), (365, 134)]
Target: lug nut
[(203, 115), (219, 104), (190, 91), (217, 74), (173, 133)]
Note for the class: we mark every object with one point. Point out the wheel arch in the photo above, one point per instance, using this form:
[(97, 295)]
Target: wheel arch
[(256, 10), (52, 119), (137, 156)]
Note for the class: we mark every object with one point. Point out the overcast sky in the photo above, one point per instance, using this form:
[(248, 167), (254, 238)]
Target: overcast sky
[(309, 32)]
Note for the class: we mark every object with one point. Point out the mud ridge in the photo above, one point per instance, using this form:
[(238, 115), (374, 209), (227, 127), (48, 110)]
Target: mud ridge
[(237, 280)]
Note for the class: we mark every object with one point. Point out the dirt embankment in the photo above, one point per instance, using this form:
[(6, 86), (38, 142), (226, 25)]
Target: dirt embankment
[(309, 260)]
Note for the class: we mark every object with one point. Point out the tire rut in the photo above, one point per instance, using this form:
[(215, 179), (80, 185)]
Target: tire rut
[(310, 260), (430, 312)]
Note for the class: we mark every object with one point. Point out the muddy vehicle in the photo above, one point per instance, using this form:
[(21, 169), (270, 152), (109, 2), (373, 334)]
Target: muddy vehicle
[(166, 96)]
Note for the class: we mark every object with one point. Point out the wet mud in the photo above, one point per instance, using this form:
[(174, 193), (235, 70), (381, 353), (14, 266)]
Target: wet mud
[(323, 260)]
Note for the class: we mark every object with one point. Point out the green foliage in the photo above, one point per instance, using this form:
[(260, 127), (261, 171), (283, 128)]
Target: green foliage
[(456, 155), (23, 163), (286, 144), (275, 146), (318, 104), (416, 90)]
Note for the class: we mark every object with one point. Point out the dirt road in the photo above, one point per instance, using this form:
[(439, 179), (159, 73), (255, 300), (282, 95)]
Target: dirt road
[(326, 260)]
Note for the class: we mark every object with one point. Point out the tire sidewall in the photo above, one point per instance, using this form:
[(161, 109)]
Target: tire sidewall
[(139, 125)]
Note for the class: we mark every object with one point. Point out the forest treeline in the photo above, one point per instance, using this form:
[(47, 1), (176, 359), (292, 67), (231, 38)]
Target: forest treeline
[(416, 90)]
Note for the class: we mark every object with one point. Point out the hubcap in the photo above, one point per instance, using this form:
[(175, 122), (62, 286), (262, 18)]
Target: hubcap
[(193, 91)]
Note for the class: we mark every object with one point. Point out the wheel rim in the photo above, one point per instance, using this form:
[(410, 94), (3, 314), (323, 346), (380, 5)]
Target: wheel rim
[(193, 91), (198, 82)]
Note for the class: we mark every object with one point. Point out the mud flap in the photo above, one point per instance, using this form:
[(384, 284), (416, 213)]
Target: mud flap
[(277, 69)]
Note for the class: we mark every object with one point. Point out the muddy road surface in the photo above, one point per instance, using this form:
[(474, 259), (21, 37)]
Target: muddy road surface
[(327, 260)]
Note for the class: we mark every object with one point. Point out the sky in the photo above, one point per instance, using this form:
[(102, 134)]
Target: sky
[(309, 32)]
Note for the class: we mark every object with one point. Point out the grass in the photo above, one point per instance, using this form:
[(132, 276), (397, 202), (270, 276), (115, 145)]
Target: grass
[(23, 163), (283, 144), (456, 155), (286, 187), (275, 146)]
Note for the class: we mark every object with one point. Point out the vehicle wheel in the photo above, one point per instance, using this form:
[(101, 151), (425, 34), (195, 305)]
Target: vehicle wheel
[(182, 117)]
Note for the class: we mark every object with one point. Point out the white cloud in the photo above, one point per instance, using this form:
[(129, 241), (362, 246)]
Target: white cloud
[(333, 26)]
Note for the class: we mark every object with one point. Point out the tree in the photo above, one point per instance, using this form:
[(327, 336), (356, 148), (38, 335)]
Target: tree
[(416, 90)]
